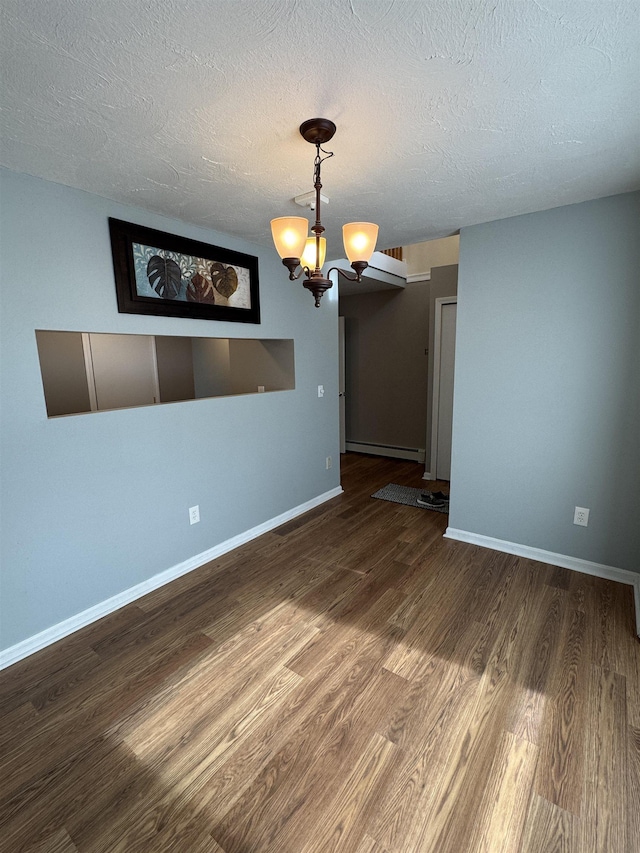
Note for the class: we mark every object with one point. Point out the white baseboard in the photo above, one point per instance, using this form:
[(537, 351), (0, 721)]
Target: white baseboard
[(411, 453), (45, 638), (427, 476), (586, 566)]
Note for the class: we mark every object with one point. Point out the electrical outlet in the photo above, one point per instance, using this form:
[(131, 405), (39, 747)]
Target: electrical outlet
[(194, 514), (329, 462), (320, 390), (581, 516)]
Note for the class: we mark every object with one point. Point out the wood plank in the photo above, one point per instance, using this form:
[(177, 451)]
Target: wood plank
[(633, 787), (356, 799), (402, 822), (604, 816), (370, 711), (526, 718), (550, 828), (368, 845), (158, 736), (14, 723), (346, 633), (561, 766), (425, 699), (58, 842), (291, 789), (500, 820), (611, 625), (52, 683)]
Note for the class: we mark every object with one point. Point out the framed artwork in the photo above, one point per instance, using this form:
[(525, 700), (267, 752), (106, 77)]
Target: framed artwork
[(170, 276)]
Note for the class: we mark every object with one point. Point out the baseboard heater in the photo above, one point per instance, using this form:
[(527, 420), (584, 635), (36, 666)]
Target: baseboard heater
[(415, 454)]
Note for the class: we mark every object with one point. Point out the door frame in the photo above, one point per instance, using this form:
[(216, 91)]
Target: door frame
[(435, 392)]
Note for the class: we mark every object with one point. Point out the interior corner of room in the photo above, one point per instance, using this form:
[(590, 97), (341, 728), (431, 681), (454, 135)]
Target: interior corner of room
[(319, 426)]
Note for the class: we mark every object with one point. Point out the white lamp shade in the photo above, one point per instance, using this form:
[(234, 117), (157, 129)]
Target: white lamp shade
[(308, 258), (359, 240), (289, 235)]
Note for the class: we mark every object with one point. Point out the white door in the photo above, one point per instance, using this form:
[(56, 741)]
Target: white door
[(341, 386), (443, 368), (124, 370)]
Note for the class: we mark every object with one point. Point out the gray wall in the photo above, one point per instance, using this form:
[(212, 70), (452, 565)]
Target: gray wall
[(211, 367), (547, 381), (386, 366), (266, 363), (175, 368), (93, 504)]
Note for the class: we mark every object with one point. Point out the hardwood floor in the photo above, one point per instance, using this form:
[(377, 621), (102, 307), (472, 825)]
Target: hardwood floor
[(349, 682)]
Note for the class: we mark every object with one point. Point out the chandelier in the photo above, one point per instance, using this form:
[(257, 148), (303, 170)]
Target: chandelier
[(290, 232)]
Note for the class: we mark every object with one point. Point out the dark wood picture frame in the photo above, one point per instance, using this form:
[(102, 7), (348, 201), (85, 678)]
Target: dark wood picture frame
[(200, 278)]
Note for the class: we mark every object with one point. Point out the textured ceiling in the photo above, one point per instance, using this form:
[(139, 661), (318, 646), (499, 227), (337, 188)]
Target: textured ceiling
[(449, 113)]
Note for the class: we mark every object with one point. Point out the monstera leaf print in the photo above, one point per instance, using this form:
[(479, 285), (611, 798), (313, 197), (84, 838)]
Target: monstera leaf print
[(164, 276), (225, 279), (200, 289)]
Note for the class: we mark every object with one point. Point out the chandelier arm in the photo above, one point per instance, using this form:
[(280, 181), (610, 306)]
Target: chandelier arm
[(359, 267)]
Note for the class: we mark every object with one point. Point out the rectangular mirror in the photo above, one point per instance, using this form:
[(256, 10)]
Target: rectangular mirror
[(91, 371)]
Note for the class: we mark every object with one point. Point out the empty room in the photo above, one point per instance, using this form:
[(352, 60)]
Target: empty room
[(319, 426)]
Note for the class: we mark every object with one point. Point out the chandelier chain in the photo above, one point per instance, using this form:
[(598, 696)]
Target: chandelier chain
[(318, 161)]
